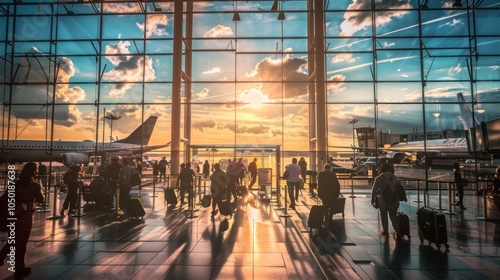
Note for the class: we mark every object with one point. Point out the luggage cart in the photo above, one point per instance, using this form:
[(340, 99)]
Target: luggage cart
[(265, 182)]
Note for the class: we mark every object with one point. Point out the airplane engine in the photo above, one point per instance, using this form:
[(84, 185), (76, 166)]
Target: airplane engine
[(399, 158), (70, 159)]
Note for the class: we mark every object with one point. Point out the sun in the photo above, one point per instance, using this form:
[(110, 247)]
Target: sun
[(255, 98)]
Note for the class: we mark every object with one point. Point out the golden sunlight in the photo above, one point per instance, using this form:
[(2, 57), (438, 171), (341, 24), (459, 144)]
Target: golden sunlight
[(255, 98)]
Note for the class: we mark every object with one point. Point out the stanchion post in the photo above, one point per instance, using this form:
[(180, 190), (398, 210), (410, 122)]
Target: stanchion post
[(192, 197), (352, 187), (154, 188), (79, 213), (418, 192), (439, 197), (54, 214), (280, 207), (286, 215), (450, 212), (46, 193)]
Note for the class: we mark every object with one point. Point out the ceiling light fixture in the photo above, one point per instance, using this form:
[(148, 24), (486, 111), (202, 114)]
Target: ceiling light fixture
[(281, 14), (236, 16)]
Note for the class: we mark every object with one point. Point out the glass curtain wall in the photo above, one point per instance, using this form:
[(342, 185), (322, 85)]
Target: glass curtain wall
[(394, 70)]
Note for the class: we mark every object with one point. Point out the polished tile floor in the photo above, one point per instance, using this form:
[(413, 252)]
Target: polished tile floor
[(262, 242)]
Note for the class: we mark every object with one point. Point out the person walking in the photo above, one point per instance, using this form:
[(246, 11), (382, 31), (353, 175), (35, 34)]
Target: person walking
[(125, 184), (71, 179), (206, 169), (27, 193), (252, 168), (233, 172), (163, 168), (459, 184), (384, 189), (219, 180), (328, 191), (303, 167), (156, 170), (112, 175), (185, 182), (293, 180)]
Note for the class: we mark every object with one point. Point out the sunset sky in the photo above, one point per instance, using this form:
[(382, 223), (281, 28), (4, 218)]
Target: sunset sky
[(269, 111)]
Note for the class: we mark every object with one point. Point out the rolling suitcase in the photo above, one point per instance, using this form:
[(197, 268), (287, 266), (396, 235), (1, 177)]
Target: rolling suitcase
[(339, 206), (432, 226), (404, 225), (316, 217), (170, 196), (225, 208), (135, 208)]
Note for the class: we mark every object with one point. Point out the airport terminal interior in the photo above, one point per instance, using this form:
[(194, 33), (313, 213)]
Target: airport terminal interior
[(349, 84)]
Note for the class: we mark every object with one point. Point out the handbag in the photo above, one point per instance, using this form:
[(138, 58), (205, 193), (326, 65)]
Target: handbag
[(205, 200), (285, 175), (224, 225)]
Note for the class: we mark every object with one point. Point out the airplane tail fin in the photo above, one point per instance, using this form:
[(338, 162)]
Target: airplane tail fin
[(466, 113), (142, 134)]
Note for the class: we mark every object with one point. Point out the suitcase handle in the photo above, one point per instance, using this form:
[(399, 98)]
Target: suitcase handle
[(428, 208)]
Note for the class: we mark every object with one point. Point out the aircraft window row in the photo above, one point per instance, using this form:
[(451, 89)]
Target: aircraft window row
[(43, 147)]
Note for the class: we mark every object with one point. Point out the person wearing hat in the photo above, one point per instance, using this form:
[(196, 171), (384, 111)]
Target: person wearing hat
[(328, 191)]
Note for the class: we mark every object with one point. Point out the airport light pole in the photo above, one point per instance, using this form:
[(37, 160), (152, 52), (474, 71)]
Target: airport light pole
[(353, 121), (112, 118)]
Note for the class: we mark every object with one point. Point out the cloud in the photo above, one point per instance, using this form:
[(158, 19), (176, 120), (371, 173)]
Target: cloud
[(122, 8), (202, 94), (202, 124), (261, 129), (272, 70), (355, 21), (344, 57), (338, 83), (219, 31), (212, 71), (128, 68), (453, 71), (66, 114), (242, 129), (156, 24)]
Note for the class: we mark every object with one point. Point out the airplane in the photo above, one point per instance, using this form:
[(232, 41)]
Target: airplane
[(77, 152), (411, 152)]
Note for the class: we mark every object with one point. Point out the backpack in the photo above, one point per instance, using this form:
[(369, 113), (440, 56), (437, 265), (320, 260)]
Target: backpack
[(389, 193)]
